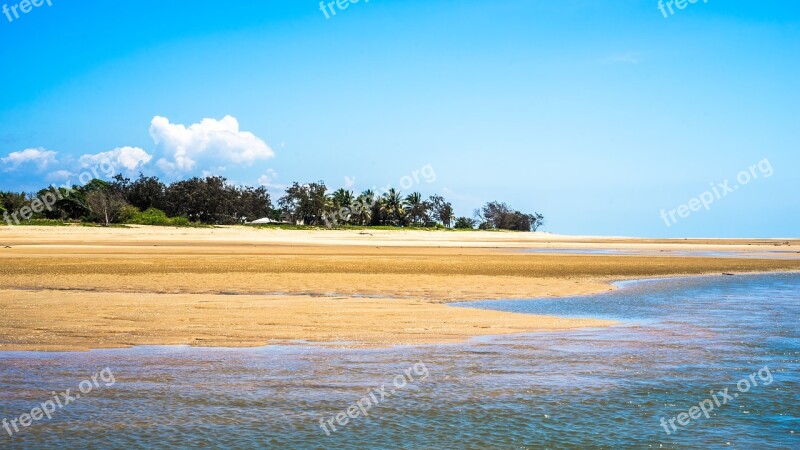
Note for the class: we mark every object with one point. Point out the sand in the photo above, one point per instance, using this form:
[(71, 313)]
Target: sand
[(79, 288)]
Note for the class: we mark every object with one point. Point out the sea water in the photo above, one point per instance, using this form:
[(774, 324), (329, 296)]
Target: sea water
[(679, 342)]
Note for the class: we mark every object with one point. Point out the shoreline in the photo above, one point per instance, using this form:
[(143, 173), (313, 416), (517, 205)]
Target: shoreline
[(83, 289), (580, 323)]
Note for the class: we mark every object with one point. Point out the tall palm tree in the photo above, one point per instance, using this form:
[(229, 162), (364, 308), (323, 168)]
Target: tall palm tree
[(339, 205), (363, 208), (342, 198), (417, 208), (392, 206), (446, 214)]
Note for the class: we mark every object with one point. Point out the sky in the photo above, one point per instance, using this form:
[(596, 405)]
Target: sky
[(608, 117)]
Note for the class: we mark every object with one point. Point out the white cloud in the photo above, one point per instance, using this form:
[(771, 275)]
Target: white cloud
[(129, 158), (38, 156), (214, 171), (59, 175), (349, 182), (207, 144), (166, 166), (450, 194), (268, 180)]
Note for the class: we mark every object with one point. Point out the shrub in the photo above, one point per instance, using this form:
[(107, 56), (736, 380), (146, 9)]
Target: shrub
[(151, 216), (181, 222), (465, 223), (128, 214)]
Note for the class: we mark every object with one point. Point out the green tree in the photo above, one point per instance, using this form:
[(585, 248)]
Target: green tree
[(393, 207), (305, 203), (143, 193), (215, 201), (446, 214), (71, 205), (499, 216), (253, 203), (441, 210), (465, 223), (418, 209), (364, 208), (341, 206)]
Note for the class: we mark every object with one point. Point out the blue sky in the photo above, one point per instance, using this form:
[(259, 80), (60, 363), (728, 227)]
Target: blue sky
[(598, 114)]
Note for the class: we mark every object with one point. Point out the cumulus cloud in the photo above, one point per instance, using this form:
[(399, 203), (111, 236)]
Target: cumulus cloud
[(39, 157), (59, 175), (209, 147), (268, 180), (128, 158), (209, 143)]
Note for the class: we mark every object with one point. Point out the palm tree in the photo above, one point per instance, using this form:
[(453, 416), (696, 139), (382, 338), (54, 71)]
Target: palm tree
[(392, 206), (340, 205), (417, 209), (363, 208), (342, 198), (446, 214), (442, 210)]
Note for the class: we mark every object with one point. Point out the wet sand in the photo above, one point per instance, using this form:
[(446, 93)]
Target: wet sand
[(77, 288)]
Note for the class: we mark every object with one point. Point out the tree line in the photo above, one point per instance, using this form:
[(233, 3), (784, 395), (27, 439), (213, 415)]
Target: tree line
[(214, 201)]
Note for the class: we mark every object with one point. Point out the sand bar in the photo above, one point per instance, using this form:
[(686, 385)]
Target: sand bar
[(77, 288)]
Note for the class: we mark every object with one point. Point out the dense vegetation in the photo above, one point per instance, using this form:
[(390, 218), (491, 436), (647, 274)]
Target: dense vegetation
[(214, 201)]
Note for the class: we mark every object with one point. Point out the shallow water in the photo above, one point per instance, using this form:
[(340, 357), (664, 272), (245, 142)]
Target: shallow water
[(764, 254), (679, 339)]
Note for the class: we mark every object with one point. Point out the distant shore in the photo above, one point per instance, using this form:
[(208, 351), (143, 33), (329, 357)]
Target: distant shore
[(79, 288)]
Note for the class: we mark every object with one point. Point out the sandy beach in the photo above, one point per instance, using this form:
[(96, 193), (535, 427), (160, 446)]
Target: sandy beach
[(80, 288)]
